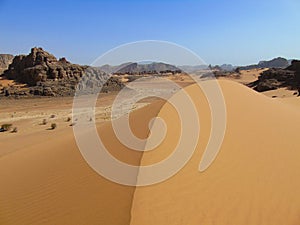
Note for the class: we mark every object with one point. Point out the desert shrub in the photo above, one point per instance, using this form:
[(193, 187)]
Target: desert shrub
[(68, 119), (52, 116), (53, 126), (6, 127), (44, 122), (15, 130), (72, 124)]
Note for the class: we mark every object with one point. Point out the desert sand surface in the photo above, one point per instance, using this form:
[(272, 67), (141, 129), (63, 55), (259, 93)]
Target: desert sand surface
[(254, 179), (281, 93), (45, 180), (248, 76), (5, 82), (245, 76)]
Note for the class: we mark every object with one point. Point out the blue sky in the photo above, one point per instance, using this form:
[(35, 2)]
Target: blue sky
[(232, 31)]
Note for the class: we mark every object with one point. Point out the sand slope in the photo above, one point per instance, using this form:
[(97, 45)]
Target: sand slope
[(48, 182), (254, 180)]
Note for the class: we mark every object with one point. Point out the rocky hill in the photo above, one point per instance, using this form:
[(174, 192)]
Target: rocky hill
[(112, 69), (277, 78), (45, 75), (40, 65), (5, 60)]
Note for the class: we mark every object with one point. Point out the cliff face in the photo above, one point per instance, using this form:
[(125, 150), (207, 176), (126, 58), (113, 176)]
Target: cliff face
[(5, 60)]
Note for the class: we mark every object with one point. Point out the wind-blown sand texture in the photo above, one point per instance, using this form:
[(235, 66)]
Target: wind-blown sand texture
[(254, 179)]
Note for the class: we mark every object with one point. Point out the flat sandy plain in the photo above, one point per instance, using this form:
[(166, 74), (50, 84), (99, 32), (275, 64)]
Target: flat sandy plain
[(254, 179)]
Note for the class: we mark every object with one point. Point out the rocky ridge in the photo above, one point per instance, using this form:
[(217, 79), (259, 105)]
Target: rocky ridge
[(278, 62)]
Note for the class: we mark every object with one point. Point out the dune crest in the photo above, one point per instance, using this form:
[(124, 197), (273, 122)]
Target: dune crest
[(248, 183)]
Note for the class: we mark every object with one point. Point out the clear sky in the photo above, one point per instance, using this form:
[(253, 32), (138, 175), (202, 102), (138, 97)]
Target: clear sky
[(233, 31)]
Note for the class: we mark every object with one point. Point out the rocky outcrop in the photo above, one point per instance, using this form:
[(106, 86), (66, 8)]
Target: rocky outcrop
[(5, 60), (274, 63), (40, 65), (46, 76), (277, 78), (295, 66)]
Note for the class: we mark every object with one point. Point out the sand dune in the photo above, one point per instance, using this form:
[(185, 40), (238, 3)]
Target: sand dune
[(48, 182), (254, 179)]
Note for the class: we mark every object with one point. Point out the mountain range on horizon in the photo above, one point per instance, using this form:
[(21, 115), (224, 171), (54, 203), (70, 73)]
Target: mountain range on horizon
[(158, 67), (132, 67)]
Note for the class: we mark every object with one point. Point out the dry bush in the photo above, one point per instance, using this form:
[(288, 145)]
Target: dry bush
[(15, 130), (53, 126), (6, 126)]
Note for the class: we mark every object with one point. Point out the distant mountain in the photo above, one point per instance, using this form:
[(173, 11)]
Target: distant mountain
[(274, 63), (135, 68), (191, 69), (112, 69), (227, 67), (5, 60)]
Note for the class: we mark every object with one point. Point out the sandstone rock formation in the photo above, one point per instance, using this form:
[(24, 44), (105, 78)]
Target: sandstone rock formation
[(5, 60), (40, 65), (45, 75)]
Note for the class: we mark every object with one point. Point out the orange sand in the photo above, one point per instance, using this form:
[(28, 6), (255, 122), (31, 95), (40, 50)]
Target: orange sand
[(254, 179)]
